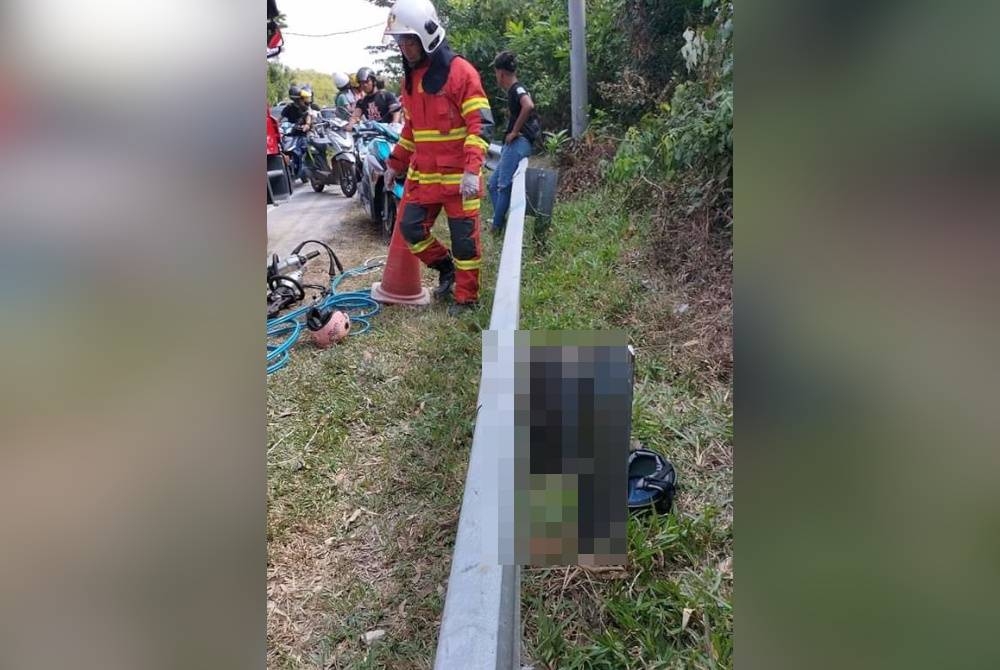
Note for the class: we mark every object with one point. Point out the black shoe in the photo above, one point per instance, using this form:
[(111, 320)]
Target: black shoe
[(446, 277), (460, 308)]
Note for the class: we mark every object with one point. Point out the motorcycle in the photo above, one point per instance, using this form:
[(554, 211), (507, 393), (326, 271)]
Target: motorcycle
[(294, 146), (374, 142), (330, 157)]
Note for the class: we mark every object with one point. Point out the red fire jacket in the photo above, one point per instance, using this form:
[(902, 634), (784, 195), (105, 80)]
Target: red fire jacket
[(445, 134)]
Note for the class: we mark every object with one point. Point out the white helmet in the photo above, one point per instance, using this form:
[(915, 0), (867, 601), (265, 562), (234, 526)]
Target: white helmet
[(415, 17), (340, 80)]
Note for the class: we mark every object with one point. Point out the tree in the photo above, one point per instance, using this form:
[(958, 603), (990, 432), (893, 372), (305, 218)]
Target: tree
[(279, 78), (634, 58)]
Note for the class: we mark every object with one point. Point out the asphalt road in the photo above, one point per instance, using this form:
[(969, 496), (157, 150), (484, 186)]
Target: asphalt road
[(308, 215)]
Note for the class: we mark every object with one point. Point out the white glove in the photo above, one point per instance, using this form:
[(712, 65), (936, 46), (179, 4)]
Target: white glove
[(470, 185), (389, 176)]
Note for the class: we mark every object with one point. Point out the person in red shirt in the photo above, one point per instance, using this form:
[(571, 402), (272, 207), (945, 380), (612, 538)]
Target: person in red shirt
[(447, 127)]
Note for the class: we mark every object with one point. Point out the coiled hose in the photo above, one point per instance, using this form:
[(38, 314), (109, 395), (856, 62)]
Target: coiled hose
[(358, 305)]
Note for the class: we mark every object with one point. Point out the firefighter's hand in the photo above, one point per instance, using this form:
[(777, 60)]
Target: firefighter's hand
[(389, 177), (470, 185)]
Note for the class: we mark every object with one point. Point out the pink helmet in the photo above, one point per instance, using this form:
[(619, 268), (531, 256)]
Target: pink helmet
[(328, 326)]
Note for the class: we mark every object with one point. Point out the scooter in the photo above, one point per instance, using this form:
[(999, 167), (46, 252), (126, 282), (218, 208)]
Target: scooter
[(375, 141), (293, 146), (390, 206), (330, 157)]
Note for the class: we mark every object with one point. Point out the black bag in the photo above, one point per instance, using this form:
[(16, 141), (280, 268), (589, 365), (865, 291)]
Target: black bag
[(651, 481)]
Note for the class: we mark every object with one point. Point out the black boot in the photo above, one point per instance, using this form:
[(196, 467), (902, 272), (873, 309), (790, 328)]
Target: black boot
[(446, 278)]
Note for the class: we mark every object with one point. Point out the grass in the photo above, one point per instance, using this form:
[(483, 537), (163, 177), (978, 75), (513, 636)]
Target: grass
[(367, 453), (368, 447), (671, 607)]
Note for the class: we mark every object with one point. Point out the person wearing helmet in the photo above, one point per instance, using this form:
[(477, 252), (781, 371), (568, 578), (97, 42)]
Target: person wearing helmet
[(307, 92), (345, 100), (447, 129), (355, 86), (376, 105), (523, 128), (297, 113)]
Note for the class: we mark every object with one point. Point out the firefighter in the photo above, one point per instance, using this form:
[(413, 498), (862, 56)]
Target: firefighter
[(447, 127)]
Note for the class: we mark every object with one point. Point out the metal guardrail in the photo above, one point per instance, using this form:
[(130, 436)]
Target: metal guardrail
[(481, 624)]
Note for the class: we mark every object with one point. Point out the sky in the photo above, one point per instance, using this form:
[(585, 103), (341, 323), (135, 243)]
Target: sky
[(344, 53)]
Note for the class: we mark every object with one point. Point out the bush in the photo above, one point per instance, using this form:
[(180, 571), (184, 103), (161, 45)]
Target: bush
[(692, 133), (690, 138)]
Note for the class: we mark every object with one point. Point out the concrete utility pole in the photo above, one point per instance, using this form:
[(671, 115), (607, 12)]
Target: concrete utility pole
[(578, 65)]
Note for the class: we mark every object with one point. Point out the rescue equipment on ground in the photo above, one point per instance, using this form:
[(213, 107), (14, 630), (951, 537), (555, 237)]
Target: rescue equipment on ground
[(329, 317)]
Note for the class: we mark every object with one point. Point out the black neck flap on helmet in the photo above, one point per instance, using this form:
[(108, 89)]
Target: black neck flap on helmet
[(437, 72)]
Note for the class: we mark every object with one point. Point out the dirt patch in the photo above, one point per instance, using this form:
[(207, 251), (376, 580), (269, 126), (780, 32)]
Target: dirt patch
[(581, 165), (686, 271), (299, 581)]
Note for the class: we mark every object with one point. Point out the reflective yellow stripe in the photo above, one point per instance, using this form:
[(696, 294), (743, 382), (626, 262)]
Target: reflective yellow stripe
[(470, 204), (407, 144), (434, 177), (472, 104), (478, 141), (422, 246), (468, 265), (438, 136)]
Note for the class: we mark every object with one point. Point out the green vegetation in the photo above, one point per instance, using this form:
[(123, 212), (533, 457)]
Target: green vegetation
[(368, 447), (280, 77), (689, 139), (369, 443), (660, 85), (671, 607), (554, 143)]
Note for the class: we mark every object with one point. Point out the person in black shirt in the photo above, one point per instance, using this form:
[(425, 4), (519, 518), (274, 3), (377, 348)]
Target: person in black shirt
[(523, 128), (297, 113), (376, 105)]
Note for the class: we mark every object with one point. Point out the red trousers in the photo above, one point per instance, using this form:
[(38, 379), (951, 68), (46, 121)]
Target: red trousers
[(417, 219)]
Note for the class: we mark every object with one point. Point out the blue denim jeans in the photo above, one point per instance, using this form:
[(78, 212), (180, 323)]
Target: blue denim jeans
[(502, 178)]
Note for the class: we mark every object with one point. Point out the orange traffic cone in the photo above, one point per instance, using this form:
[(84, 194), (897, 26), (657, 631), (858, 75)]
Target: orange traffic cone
[(400, 283)]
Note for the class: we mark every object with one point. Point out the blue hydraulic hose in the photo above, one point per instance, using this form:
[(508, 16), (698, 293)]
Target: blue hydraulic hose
[(358, 305)]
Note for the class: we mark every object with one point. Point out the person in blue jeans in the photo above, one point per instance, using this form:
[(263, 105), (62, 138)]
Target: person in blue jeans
[(523, 128)]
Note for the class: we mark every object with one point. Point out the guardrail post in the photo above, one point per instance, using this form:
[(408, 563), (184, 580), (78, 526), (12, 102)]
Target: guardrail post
[(540, 187)]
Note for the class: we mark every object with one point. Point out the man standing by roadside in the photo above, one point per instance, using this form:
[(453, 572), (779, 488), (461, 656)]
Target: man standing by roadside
[(446, 131), (523, 129)]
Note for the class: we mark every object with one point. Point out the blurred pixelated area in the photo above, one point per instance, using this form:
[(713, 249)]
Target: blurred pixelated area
[(572, 408), (132, 231), (867, 332)]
